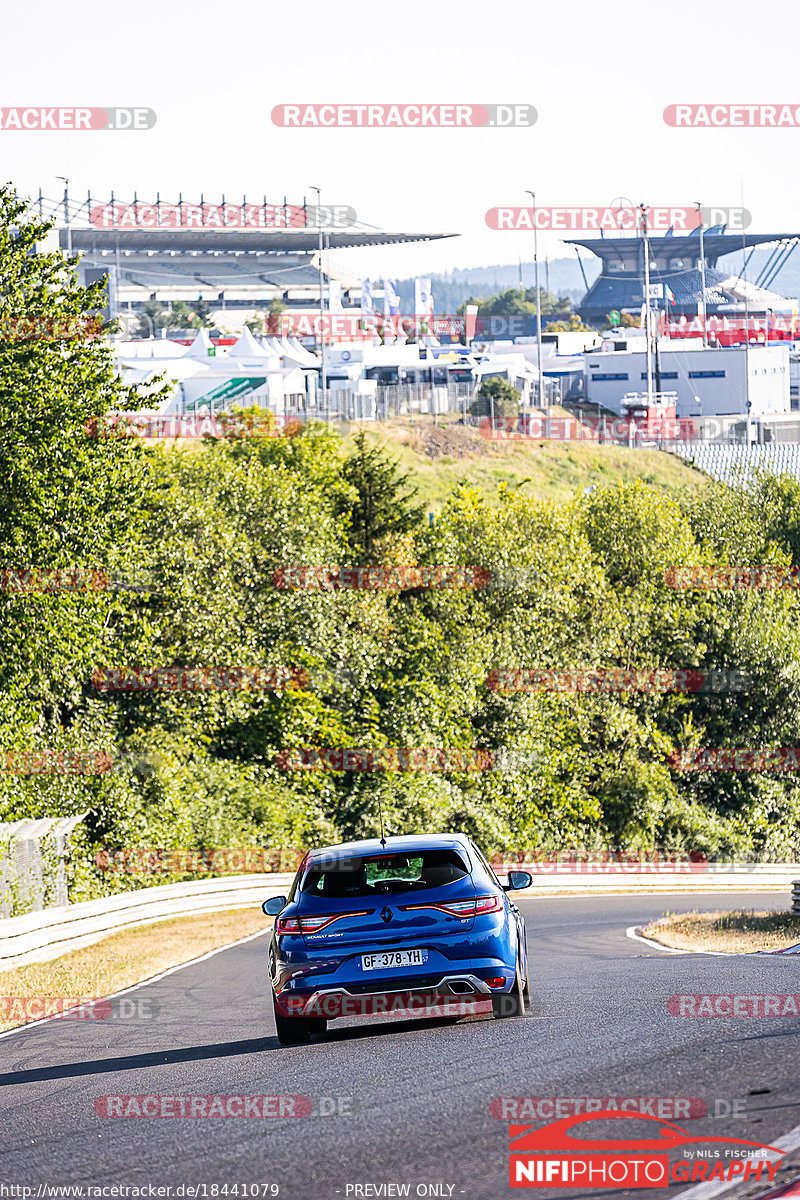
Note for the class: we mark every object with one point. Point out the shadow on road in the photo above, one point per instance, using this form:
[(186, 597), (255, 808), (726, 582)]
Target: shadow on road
[(161, 1058), (130, 1062)]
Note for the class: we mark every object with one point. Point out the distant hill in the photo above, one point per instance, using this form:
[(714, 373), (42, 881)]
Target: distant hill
[(452, 289)]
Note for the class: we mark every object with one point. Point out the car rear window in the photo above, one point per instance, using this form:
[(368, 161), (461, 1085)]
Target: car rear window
[(381, 874)]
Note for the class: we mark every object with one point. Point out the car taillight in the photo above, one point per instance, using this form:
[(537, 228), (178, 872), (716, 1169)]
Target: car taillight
[(314, 924), (459, 908)]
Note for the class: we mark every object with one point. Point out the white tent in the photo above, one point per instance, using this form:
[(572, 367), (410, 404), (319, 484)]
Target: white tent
[(149, 348), (301, 353), (292, 351), (246, 346), (202, 346)]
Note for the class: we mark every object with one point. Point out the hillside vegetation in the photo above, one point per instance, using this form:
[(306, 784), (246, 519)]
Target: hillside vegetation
[(176, 559)]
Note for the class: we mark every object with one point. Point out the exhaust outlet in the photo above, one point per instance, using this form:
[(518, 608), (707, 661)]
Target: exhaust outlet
[(461, 987)]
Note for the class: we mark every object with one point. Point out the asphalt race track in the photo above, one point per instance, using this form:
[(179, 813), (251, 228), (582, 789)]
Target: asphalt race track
[(410, 1098)]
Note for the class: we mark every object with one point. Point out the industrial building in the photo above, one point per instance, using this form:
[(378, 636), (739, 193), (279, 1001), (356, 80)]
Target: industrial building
[(708, 382)]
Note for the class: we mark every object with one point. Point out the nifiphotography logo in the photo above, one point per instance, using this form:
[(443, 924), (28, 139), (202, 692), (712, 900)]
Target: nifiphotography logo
[(632, 1162)]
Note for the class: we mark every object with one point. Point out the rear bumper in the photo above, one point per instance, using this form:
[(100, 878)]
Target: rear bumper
[(457, 993)]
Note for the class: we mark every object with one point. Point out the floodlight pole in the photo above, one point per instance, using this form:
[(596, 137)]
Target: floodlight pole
[(540, 382), (702, 271), (65, 179), (323, 371)]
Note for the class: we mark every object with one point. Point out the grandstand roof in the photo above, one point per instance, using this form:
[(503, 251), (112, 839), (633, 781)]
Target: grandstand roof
[(272, 241), (715, 244)]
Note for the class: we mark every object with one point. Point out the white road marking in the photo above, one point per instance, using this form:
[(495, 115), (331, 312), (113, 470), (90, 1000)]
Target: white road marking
[(633, 932), (704, 1191)]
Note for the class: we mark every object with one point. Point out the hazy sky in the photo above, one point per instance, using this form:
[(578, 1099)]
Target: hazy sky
[(600, 84)]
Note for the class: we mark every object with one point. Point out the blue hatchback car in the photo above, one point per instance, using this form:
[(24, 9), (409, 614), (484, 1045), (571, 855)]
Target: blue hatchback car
[(419, 916)]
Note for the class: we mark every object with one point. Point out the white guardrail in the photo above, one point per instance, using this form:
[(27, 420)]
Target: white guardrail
[(39, 936)]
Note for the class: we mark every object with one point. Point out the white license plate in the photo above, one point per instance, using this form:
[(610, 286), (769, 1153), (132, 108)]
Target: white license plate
[(383, 959)]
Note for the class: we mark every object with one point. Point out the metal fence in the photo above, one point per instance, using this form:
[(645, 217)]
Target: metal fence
[(33, 864), (387, 401)]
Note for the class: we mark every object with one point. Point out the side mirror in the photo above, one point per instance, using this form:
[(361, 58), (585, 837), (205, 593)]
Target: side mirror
[(517, 880), (273, 906)]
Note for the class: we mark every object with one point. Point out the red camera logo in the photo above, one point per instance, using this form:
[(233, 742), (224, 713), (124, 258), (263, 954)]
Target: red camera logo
[(612, 1163)]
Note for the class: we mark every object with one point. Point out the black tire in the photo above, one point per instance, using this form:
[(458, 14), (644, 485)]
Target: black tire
[(317, 1026), (292, 1031), (510, 1004)]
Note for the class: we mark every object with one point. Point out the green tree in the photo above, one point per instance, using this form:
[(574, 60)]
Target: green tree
[(179, 316), (273, 324), (573, 324), (257, 324), (73, 500), (201, 314), (496, 396), (153, 309), (381, 502), (515, 302)]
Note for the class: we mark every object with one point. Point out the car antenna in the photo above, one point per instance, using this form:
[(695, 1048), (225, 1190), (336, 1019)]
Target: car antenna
[(383, 831)]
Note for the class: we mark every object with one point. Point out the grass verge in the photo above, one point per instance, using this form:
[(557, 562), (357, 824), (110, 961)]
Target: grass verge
[(122, 959), (440, 457), (739, 932)]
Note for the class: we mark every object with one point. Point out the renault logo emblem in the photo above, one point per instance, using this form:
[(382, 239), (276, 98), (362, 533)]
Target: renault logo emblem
[(386, 913)]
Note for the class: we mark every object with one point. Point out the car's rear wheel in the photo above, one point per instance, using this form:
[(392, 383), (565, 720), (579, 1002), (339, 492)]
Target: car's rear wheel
[(292, 1031), (317, 1026), (511, 1004)]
